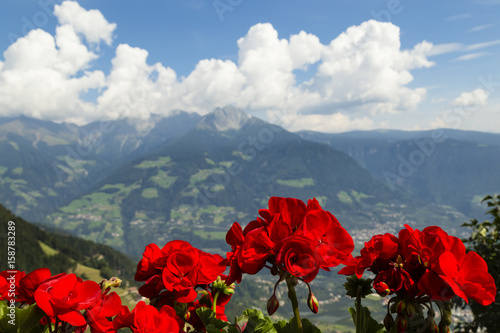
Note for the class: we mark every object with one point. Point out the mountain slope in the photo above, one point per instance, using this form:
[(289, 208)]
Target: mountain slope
[(447, 167), (45, 165), (39, 247), (223, 171)]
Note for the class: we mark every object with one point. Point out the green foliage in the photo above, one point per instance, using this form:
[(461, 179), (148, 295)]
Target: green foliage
[(485, 240), (21, 320), (353, 283), (369, 325), (251, 321)]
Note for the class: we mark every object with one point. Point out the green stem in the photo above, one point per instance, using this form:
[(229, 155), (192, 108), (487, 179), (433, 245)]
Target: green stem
[(359, 309), (50, 325), (214, 307), (295, 304)]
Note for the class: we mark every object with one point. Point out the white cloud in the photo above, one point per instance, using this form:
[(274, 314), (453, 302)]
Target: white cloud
[(482, 45), (361, 72), (458, 17), (470, 56), (365, 68), (444, 48), (43, 76), (480, 27), (90, 23), (335, 122), (130, 92), (467, 111), (477, 97), (37, 78)]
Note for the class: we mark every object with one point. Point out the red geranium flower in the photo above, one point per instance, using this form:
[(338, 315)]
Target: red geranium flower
[(298, 257), (299, 239), (428, 262), (64, 295), (29, 284), (7, 278), (377, 254), (99, 314), (147, 319), (177, 268), (152, 262)]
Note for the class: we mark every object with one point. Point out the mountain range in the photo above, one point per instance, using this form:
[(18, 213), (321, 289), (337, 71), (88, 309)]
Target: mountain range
[(442, 166), (128, 183)]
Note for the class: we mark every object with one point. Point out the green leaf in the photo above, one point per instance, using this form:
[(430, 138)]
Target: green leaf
[(208, 318), (309, 327), (265, 326), (370, 325), (212, 329), (21, 320), (282, 326)]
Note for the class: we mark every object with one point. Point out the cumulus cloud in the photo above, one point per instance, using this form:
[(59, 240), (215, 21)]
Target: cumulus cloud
[(38, 78), (477, 97), (365, 68), (360, 73), (89, 23), (337, 122), (462, 108), (43, 76)]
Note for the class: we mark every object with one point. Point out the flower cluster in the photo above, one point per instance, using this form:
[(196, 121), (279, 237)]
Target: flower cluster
[(69, 303), (174, 276), (423, 266), (428, 262), (177, 273), (291, 237)]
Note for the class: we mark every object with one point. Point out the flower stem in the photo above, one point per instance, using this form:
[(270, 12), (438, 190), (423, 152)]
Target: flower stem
[(295, 304), (359, 309), (214, 307)]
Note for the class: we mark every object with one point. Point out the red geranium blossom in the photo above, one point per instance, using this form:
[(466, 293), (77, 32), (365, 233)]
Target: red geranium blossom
[(300, 239), (64, 295), (147, 319), (177, 268), (428, 262), (7, 278), (29, 284), (100, 313)]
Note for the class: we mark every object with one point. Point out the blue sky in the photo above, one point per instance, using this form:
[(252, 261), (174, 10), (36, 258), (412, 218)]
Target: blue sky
[(329, 66)]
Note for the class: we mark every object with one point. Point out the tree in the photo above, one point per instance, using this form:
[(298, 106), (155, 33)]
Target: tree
[(485, 240)]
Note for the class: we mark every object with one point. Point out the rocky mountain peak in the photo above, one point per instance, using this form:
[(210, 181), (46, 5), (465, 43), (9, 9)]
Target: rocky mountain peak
[(224, 119)]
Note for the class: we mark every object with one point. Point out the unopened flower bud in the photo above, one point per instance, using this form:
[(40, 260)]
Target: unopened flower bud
[(401, 323), (382, 288), (312, 302), (114, 282), (430, 323), (443, 328), (446, 315), (400, 306), (220, 285), (388, 322), (272, 305), (410, 309)]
